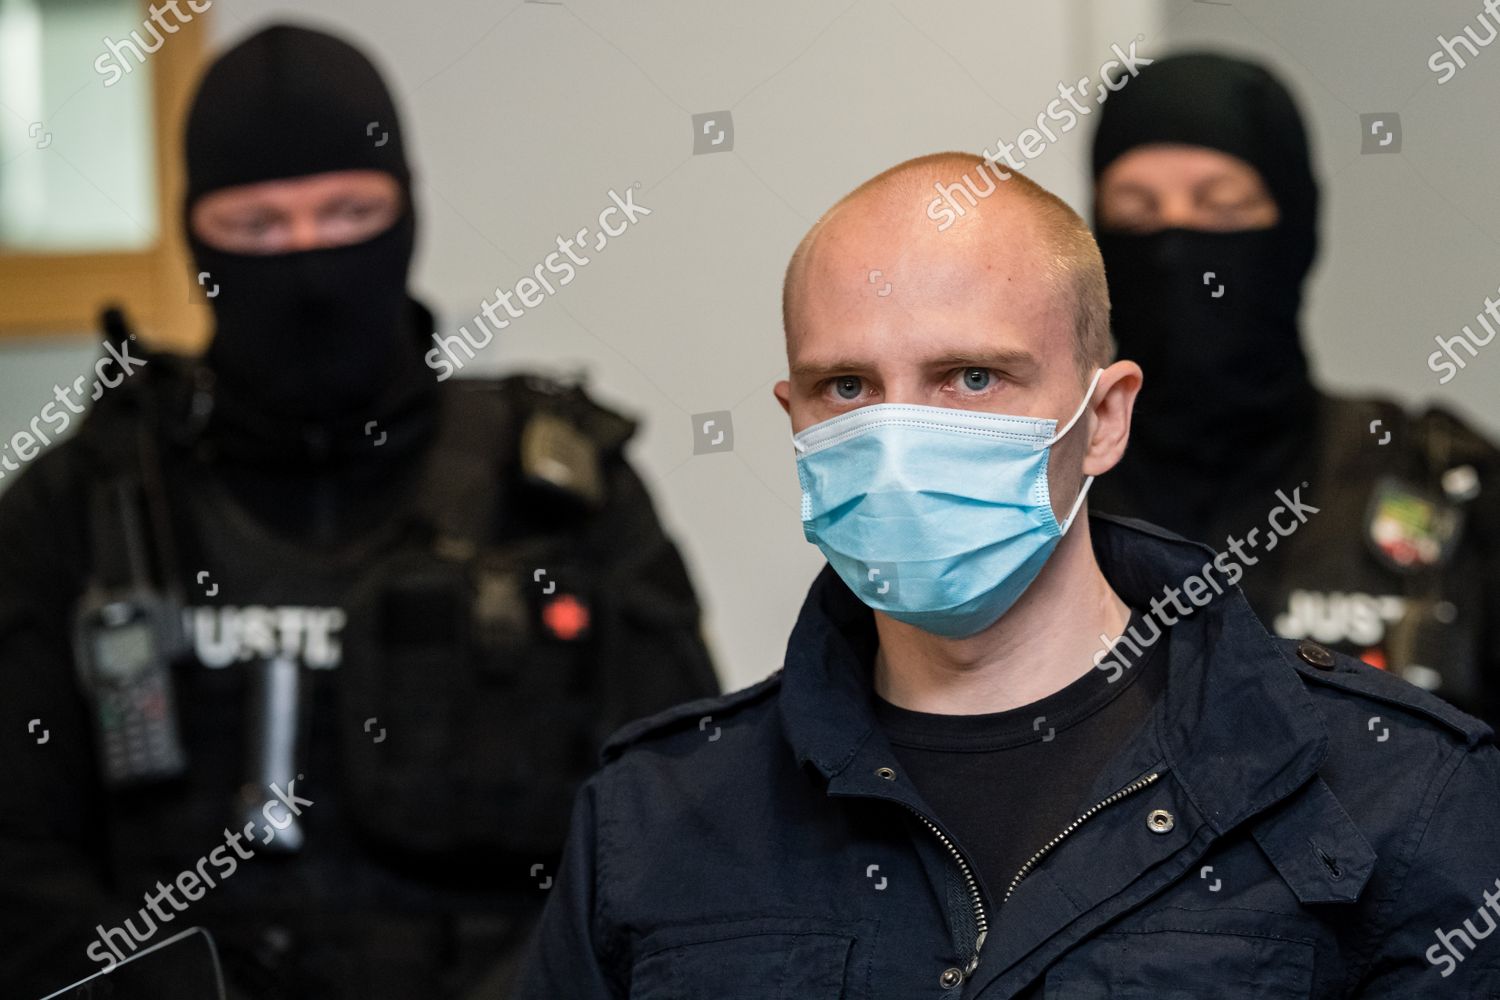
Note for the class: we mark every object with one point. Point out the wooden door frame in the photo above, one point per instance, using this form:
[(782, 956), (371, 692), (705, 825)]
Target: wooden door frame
[(63, 293)]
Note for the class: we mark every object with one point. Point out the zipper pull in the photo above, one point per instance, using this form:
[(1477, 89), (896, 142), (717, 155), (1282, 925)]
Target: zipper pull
[(974, 959)]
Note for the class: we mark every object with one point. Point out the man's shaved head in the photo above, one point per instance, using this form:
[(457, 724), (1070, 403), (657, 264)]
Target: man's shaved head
[(1002, 309), (1017, 221)]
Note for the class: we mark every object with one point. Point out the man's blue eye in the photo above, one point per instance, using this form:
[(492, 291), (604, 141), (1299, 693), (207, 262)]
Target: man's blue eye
[(977, 378), (847, 387)]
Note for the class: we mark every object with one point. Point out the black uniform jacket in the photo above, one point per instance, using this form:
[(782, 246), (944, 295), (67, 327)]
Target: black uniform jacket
[(1291, 824)]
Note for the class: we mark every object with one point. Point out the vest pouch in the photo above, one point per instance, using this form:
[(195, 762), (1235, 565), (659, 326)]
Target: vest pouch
[(474, 674)]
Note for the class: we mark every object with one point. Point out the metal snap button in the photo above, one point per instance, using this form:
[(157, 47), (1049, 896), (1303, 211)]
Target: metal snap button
[(1160, 821), (1312, 653), (886, 773), (950, 979)]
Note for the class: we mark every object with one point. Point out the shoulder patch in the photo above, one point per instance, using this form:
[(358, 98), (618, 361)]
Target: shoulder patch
[(566, 443), (1459, 441), (1354, 413), (531, 392), (1349, 674), (672, 719)]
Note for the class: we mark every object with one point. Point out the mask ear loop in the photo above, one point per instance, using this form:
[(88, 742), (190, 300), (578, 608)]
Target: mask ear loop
[(1068, 523)]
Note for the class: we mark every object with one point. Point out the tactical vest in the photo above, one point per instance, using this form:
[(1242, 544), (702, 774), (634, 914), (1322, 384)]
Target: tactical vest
[(452, 659), (1393, 567)]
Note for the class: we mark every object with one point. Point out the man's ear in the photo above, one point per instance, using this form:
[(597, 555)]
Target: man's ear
[(1114, 400), (783, 393)]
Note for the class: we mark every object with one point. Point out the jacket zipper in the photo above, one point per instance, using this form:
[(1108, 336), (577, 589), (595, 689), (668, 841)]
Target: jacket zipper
[(981, 920), (1129, 789)]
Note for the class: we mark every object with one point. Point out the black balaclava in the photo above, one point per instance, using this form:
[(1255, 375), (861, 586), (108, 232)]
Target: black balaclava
[(310, 336), (320, 400), (1212, 317)]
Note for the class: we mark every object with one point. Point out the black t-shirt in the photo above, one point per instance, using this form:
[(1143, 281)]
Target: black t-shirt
[(1006, 783)]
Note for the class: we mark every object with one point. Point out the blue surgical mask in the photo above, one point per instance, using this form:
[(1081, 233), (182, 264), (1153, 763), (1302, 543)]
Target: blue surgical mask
[(938, 517)]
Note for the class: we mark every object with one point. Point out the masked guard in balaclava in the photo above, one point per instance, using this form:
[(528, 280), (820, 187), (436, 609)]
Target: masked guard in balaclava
[(1374, 532), (319, 648)]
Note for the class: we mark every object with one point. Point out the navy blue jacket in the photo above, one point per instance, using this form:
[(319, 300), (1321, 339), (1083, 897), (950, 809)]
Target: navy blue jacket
[(1290, 824)]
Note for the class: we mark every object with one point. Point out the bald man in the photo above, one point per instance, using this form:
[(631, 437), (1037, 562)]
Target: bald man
[(1015, 751)]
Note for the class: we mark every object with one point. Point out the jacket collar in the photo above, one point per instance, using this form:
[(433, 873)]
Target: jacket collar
[(1237, 726)]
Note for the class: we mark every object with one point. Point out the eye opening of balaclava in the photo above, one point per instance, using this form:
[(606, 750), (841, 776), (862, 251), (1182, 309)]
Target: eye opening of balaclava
[(312, 334), (1212, 317)]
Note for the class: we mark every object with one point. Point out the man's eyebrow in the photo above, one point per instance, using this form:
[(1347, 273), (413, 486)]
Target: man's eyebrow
[(1132, 187), (243, 214), (344, 199), (827, 369), (1207, 184), (1015, 362)]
